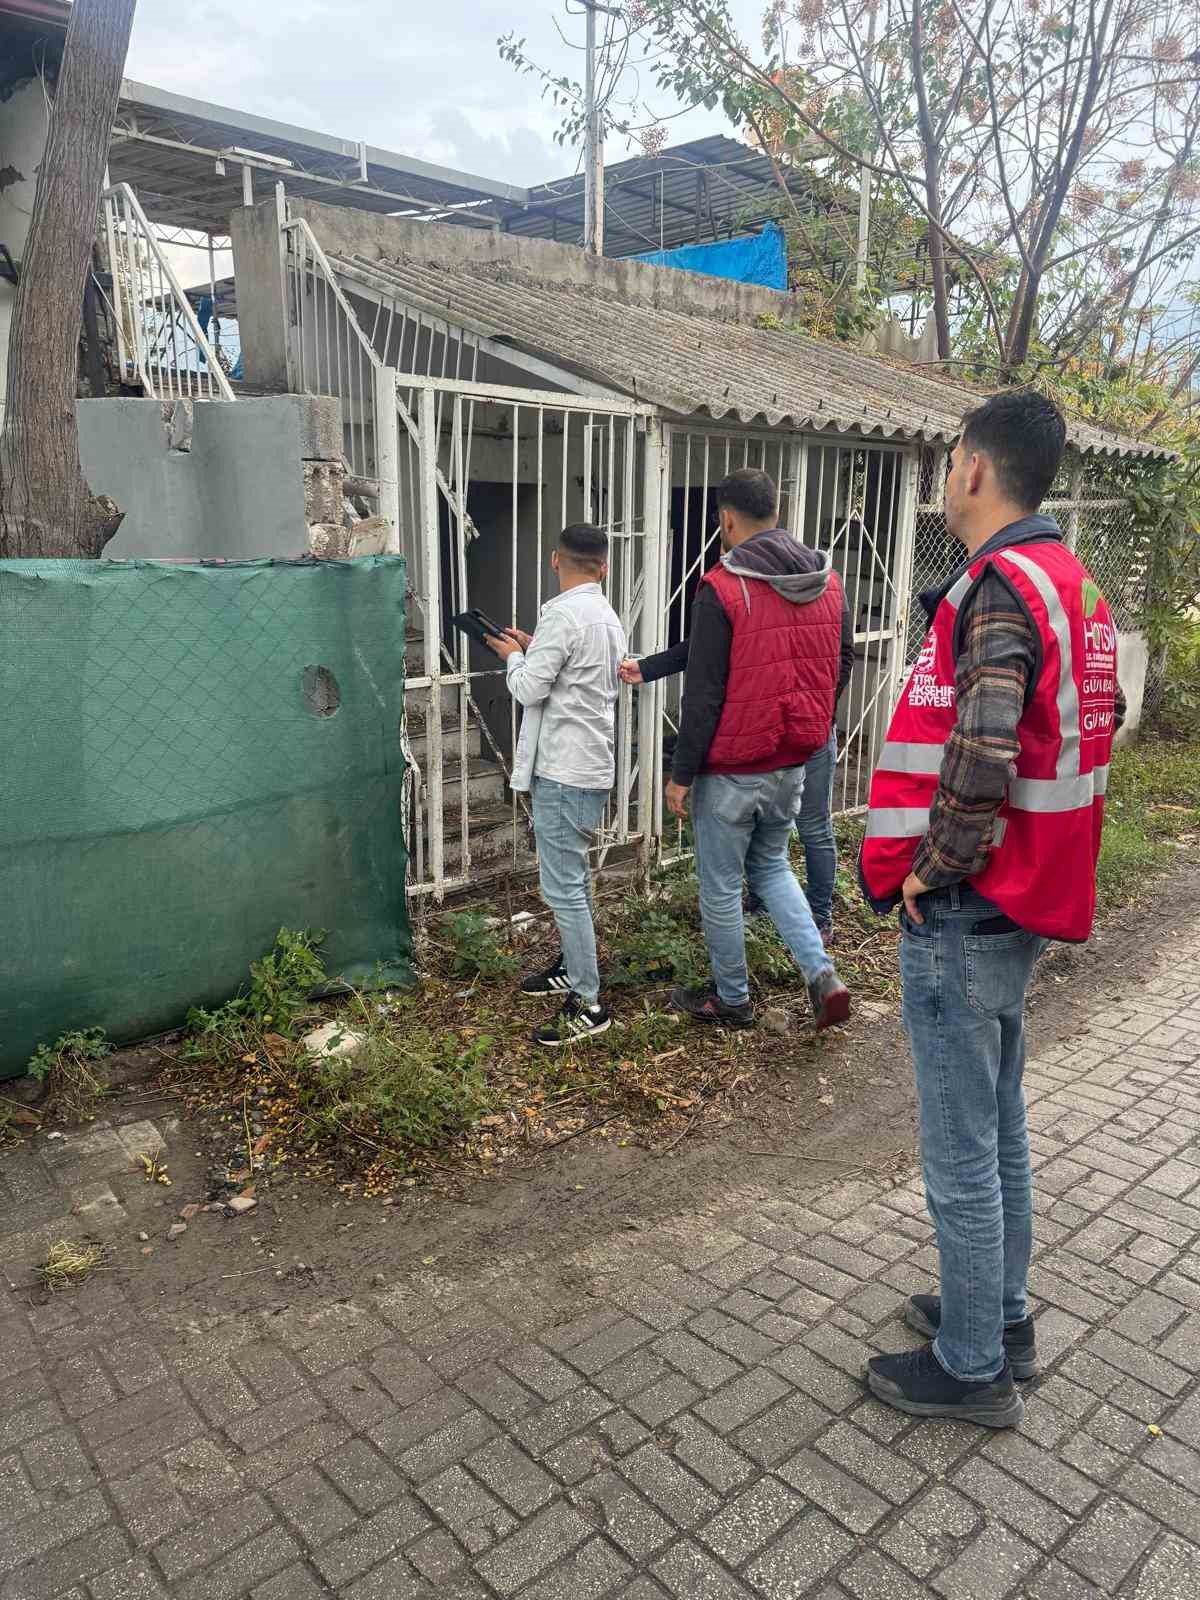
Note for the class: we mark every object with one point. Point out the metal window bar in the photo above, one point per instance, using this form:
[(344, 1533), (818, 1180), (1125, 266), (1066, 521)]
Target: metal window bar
[(159, 338)]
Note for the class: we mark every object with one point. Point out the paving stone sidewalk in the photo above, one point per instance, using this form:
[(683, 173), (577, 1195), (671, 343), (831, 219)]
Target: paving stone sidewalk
[(674, 1411)]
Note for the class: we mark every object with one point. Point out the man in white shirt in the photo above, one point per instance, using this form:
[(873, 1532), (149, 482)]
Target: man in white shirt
[(566, 677)]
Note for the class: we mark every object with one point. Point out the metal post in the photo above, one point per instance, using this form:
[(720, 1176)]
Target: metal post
[(864, 184), (1076, 492), (427, 471), (652, 633), (121, 291), (387, 453), (902, 575), (593, 164)]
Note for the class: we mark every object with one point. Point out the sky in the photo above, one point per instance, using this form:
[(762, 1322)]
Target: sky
[(422, 77)]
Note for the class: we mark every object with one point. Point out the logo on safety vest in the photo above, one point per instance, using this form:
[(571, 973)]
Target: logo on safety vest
[(1091, 597)]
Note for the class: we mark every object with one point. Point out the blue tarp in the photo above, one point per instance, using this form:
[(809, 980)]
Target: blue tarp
[(759, 258), (204, 313)]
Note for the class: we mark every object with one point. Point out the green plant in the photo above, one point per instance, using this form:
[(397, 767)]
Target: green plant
[(67, 1068), (414, 1092), (476, 949), (768, 959), (656, 942), (280, 986), (1179, 711)]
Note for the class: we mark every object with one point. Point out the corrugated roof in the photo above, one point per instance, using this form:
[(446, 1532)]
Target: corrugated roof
[(709, 188), (692, 364), (166, 146)]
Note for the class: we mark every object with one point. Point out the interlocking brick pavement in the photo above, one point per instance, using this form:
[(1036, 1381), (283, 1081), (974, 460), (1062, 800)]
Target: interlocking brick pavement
[(687, 1421)]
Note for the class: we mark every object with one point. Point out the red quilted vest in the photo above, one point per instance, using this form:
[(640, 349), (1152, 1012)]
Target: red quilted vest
[(783, 668)]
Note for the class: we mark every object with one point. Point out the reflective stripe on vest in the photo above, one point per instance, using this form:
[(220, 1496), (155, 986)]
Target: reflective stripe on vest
[(1023, 794), (1068, 696)]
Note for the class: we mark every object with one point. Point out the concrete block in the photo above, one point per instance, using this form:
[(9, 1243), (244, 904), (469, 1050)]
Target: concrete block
[(1133, 660), (319, 424), (324, 491)]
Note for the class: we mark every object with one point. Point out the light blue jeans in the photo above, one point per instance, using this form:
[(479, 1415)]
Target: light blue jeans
[(814, 824), (743, 825), (564, 821), (964, 1011)]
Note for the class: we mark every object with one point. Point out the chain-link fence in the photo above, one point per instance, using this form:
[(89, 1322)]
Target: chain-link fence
[(1096, 522)]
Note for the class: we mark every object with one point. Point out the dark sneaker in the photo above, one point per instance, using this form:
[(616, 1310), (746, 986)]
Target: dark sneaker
[(830, 999), (916, 1382), (574, 1022), (923, 1314), (706, 1005), (553, 981)]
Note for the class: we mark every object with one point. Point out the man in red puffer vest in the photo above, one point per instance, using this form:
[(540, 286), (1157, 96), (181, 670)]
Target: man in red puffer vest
[(984, 829), (758, 701)]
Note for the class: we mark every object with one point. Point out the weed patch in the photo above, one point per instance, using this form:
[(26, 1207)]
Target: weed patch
[(71, 1069), (278, 998), (475, 949)]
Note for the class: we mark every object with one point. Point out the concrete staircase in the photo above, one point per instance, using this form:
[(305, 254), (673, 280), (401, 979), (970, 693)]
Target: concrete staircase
[(489, 803)]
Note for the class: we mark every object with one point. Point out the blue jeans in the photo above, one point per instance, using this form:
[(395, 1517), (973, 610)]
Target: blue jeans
[(564, 821), (743, 825), (964, 1011), (814, 824)]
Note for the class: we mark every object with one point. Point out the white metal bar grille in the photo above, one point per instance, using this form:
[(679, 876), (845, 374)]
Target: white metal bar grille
[(159, 339)]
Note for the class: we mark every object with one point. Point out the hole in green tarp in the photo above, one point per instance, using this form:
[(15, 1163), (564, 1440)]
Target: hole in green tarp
[(321, 693)]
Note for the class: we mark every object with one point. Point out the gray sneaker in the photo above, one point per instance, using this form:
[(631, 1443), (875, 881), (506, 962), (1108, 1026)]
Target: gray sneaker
[(830, 999)]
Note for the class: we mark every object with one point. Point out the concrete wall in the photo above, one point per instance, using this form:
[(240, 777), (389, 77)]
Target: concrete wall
[(238, 491), (22, 140), (1133, 658)]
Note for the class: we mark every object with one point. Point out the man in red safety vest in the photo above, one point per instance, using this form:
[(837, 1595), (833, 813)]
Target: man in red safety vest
[(984, 828)]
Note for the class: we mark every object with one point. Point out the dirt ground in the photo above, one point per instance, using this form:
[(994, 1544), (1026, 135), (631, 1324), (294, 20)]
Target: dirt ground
[(828, 1108)]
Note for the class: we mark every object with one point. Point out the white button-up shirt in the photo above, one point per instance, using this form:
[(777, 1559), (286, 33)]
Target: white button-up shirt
[(568, 684)]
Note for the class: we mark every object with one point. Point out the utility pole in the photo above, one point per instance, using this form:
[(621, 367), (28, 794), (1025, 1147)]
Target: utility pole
[(864, 185), (593, 152)]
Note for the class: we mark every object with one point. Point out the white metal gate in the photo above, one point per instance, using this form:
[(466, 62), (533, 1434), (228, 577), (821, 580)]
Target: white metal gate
[(855, 501), (486, 477)]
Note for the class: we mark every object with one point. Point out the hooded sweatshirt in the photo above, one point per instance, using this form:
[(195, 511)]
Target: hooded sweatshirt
[(771, 563)]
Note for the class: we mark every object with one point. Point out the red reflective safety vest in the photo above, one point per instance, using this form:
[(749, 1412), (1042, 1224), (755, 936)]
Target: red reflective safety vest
[(783, 665), (1041, 870)]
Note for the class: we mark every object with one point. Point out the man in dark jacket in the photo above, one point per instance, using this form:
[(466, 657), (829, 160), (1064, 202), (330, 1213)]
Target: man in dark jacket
[(758, 703), (814, 820)]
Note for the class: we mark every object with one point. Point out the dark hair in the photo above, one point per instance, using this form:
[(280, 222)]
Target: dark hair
[(749, 491), (584, 545), (1023, 435)]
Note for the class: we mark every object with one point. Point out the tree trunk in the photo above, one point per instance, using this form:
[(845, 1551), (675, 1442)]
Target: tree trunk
[(46, 508), (933, 186)]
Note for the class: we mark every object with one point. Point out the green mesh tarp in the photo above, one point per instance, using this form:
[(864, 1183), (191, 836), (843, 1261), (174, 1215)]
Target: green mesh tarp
[(192, 758)]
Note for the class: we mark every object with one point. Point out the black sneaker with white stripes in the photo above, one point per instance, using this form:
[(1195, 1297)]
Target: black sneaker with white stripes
[(576, 1021), (553, 981)]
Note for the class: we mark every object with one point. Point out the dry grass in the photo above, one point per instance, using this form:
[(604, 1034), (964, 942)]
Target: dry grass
[(68, 1264)]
